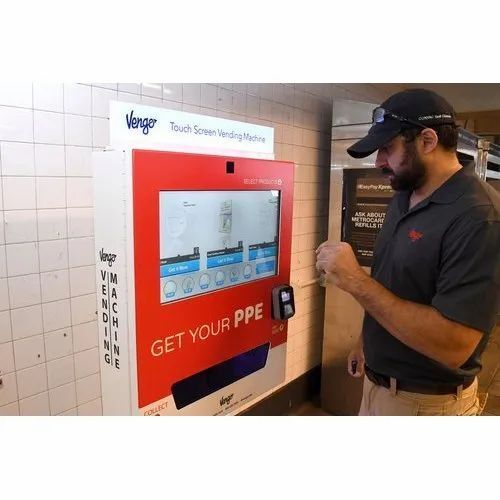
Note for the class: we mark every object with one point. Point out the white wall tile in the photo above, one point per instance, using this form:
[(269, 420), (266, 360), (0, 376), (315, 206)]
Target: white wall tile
[(2, 225), (5, 329), (134, 88), (152, 90), (173, 105), (208, 96), (16, 124), (88, 388), (17, 158), (80, 222), (86, 363), (78, 130), (35, 405), (172, 92), (58, 344), (56, 315), (19, 193), (26, 321), (48, 96), (83, 310), (85, 336), (151, 101), (127, 97), (100, 101), (240, 87), (253, 104), (32, 381), (79, 192), (10, 410), (190, 108), (7, 364), (92, 408), (77, 99), (51, 224), (50, 192), (191, 93), (61, 371), (224, 99), (49, 160), (22, 258), (239, 103), (78, 161), (24, 290), (73, 412), (29, 352), (20, 226), (8, 390), (100, 132), (3, 262), (110, 86), (82, 280), (4, 294), (62, 398), (53, 255), (49, 127), (17, 94), (81, 252), (55, 285)]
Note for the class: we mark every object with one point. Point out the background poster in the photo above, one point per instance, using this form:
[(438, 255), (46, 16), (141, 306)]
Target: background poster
[(366, 195)]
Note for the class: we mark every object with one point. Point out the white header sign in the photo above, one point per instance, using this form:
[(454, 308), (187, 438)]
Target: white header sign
[(148, 127)]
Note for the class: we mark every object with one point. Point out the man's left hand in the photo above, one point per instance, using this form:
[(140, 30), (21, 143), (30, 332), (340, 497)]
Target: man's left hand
[(338, 262)]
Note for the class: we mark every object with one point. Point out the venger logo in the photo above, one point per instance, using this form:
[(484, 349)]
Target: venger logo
[(107, 257), (144, 123), (225, 400)]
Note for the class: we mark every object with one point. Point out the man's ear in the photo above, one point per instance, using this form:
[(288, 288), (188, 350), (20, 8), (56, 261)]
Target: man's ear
[(429, 140)]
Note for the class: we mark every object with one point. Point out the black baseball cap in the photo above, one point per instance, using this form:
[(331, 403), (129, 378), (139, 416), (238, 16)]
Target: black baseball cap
[(405, 110)]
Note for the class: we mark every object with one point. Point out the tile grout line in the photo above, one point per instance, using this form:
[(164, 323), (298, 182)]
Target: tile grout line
[(67, 244), (38, 249), (7, 286)]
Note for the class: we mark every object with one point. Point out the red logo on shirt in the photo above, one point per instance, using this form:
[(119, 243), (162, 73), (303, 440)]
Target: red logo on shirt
[(414, 235)]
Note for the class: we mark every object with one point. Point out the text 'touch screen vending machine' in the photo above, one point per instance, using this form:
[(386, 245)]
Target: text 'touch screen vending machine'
[(193, 266)]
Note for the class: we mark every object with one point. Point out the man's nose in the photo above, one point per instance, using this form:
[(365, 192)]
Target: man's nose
[(380, 161)]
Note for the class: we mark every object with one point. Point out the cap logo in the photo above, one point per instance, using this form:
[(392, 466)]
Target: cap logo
[(434, 117)]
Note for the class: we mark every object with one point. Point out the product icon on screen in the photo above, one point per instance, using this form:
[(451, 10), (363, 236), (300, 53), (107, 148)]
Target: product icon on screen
[(169, 289), (188, 285)]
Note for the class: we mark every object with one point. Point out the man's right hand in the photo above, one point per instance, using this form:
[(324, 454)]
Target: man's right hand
[(356, 362)]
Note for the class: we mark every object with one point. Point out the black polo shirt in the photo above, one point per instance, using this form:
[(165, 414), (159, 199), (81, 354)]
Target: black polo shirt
[(445, 253)]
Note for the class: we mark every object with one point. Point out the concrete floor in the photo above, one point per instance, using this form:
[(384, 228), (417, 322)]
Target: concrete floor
[(489, 383)]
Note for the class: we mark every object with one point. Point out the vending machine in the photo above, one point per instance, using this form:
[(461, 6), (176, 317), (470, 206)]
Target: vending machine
[(193, 268)]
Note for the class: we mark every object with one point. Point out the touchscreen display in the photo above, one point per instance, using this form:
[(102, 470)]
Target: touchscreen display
[(210, 240)]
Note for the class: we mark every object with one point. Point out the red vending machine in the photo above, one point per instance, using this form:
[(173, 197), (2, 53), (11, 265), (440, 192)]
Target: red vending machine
[(193, 267)]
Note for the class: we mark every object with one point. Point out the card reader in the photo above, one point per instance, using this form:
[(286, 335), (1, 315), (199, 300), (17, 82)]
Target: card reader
[(283, 303)]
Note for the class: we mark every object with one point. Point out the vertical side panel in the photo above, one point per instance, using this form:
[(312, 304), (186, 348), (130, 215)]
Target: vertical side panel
[(110, 216)]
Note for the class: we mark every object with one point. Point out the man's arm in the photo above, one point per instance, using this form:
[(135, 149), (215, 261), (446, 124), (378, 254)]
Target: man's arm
[(420, 327)]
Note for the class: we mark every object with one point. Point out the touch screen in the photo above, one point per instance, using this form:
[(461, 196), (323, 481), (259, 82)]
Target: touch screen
[(210, 240)]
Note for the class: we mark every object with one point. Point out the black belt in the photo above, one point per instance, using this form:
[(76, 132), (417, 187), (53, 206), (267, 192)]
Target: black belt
[(401, 385)]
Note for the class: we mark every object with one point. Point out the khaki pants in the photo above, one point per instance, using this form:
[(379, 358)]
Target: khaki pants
[(379, 401)]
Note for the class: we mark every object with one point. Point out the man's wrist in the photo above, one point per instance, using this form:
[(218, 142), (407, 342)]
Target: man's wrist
[(361, 285)]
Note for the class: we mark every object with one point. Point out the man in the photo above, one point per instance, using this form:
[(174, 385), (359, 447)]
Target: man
[(433, 295)]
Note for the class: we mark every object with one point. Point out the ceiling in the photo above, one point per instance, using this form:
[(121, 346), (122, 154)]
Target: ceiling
[(463, 97)]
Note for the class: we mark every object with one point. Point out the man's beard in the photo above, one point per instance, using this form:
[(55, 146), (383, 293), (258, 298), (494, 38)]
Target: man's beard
[(413, 174)]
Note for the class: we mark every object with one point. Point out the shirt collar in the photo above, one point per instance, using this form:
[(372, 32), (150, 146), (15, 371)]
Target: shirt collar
[(454, 187)]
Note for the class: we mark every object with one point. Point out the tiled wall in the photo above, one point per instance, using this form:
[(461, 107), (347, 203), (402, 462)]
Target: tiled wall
[(49, 362)]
